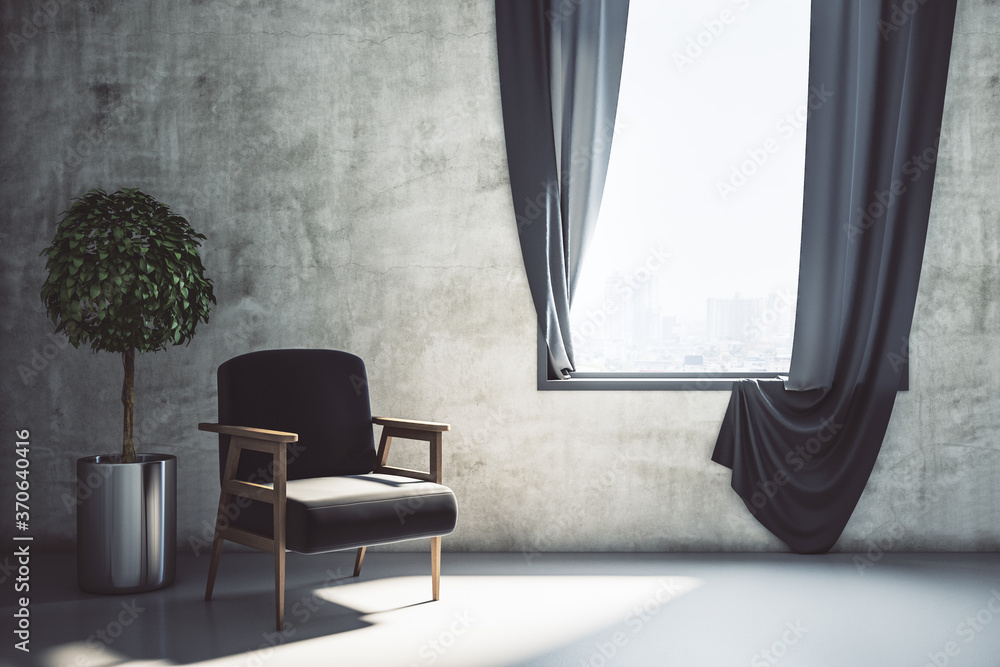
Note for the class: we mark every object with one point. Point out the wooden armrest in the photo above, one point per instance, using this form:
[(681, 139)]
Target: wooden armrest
[(408, 429), (251, 433), (412, 424)]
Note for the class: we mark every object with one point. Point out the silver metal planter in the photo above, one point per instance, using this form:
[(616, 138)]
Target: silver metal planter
[(126, 523)]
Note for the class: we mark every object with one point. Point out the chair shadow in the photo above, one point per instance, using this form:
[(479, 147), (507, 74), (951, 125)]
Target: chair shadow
[(176, 624)]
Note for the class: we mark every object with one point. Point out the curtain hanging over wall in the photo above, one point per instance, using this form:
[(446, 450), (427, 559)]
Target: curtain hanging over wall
[(560, 69), (802, 451)]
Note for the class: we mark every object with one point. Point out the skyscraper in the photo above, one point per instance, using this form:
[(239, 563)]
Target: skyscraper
[(735, 319), (618, 303)]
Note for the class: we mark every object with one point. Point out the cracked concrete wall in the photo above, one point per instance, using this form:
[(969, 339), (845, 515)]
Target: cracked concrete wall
[(346, 162)]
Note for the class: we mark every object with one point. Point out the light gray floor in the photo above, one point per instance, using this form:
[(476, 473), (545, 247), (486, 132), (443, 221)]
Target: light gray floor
[(544, 609)]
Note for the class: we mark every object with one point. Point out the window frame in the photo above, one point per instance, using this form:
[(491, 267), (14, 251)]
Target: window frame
[(675, 380)]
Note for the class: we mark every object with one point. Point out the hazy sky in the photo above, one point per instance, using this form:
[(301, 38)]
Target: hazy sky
[(686, 120)]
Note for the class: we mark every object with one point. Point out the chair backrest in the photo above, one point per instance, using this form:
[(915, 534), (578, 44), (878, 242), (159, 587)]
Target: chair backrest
[(320, 394)]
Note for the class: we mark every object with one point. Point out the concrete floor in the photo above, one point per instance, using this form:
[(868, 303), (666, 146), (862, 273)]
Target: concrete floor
[(541, 609)]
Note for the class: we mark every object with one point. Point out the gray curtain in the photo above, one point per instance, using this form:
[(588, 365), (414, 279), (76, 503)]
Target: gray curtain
[(802, 451), (560, 67)]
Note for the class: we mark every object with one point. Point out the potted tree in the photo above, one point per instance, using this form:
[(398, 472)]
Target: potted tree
[(125, 276)]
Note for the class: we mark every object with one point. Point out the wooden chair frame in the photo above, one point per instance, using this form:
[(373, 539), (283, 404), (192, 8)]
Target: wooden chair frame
[(275, 443)]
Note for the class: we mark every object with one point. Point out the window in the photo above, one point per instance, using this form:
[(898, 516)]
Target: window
[(693, 267)]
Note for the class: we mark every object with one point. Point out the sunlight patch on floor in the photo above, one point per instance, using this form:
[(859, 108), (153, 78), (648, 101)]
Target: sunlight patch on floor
[(498, 619), (480, 620)]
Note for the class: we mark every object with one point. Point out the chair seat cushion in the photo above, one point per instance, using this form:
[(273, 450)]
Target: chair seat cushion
[(331, 513)]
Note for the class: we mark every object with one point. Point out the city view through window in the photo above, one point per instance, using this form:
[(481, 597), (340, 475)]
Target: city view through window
[(694, 263)]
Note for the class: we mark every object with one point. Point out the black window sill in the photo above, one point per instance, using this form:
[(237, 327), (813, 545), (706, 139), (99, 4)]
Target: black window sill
[(654, 381), (645, 382)]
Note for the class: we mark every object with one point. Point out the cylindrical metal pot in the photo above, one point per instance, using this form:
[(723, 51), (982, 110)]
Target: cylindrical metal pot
[(126, 523)]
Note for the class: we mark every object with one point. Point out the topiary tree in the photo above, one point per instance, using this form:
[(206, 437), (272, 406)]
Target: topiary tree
[(125, 275)]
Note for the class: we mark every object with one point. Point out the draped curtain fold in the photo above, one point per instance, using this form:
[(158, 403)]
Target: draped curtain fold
[(560, 69), (802, 450)]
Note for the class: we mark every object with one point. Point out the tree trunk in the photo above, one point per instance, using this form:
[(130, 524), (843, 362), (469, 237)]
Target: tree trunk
[(128, 401)]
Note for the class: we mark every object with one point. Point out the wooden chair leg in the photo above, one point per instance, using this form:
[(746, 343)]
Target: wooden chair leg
[(279, 587), (359, 560), (436, 567), (224, 497), (213, 564), (279, 462)]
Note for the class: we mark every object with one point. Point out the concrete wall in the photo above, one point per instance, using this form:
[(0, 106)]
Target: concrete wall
[(346, 162)]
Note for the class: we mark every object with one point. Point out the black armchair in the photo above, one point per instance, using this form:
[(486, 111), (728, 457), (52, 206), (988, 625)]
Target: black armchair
[(300, 471)]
